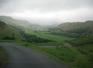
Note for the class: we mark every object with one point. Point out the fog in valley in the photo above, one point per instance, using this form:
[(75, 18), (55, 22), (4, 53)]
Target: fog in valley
[(48, 12)]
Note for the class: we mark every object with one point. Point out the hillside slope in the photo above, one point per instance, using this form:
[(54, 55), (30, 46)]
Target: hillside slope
[(6, 31), (21, 24), (85, 46), (74, 29), (11, 21)]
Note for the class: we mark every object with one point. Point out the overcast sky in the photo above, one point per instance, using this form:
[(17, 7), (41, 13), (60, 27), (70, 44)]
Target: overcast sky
[(48, 11)]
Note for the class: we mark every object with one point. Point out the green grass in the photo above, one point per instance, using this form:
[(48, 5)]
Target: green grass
[(66, 55), (85, 39), (6, 31), (87, 48), (47, 35), (3, 57), (41, 44), (2, 35)]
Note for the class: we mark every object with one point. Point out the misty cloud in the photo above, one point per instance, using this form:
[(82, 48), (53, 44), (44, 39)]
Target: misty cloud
[(48, 11)]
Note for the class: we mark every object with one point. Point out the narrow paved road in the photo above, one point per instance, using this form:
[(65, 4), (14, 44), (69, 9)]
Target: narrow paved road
[(65, 45), (21, 57)]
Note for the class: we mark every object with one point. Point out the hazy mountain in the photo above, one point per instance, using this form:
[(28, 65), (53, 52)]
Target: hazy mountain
[(2, 24), (11, 21), (70, 29), (76, 25), (74, 29), (23, 24)]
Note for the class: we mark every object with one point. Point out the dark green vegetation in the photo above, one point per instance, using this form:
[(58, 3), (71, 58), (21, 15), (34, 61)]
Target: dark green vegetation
[(3, 57), (78, 34), (74, 29)]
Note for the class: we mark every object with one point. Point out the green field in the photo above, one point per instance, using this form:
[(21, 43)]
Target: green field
[(85, 39), (88, 48), (47, 35)]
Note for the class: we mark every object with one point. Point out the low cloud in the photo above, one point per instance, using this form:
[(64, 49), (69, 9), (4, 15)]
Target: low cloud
[(48, 11)]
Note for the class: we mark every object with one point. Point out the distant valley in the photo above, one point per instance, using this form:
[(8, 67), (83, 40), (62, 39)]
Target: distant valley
[(79, 35)]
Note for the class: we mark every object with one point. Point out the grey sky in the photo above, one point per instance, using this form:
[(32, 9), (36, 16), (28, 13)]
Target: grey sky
[(48, 11)]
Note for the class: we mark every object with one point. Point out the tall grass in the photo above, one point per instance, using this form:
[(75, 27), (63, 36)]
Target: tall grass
[(88, 51)]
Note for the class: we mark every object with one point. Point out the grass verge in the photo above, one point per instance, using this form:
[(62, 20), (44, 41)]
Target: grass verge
[(3, 57)]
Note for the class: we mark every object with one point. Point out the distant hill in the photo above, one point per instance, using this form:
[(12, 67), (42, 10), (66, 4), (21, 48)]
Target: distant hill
[(69, 29), (21, 24), (74, 29), (11, 21), (2, 23), (75, 25)]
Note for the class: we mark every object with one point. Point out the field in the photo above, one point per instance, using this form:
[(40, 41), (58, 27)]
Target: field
[(85, 39), (47, 35)]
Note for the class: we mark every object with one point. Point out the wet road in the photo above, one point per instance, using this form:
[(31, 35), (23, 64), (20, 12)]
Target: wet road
[(21, 57)]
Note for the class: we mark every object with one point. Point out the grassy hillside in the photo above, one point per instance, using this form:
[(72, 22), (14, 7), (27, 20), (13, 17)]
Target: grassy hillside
[(85, 39), (81, 41), (85, 46), (22, 24), (11, 21), (6, 31), (74, 29), (75, 25)]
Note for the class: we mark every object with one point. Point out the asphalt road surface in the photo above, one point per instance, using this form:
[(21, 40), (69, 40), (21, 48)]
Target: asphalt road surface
[(21, 57), (65, 45)]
